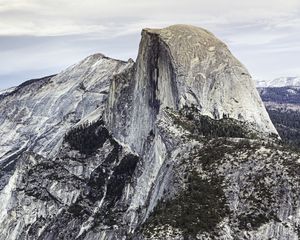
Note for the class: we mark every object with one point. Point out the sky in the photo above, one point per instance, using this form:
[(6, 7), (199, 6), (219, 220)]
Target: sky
[(39, 38)]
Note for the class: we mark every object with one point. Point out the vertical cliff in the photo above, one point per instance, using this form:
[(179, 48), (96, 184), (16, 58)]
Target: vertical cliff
[(209, 76), (176, 145), (184, 65)]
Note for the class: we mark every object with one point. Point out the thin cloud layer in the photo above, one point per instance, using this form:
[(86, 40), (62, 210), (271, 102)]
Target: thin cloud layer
[(45, 36), (64, 17)]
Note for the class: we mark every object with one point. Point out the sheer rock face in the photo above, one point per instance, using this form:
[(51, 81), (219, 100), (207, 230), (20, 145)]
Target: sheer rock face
[(53, 104), (207, 75), (185, 65), (131, 149), (34, 118)]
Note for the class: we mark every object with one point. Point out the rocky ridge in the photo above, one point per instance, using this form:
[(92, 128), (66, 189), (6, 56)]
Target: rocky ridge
[(140, 150)]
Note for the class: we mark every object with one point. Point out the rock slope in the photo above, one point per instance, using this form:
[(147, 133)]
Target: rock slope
[(184, 65), (176, 145)]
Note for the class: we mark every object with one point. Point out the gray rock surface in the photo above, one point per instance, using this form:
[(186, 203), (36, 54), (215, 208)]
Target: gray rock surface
[(177, 66), (176, 145)]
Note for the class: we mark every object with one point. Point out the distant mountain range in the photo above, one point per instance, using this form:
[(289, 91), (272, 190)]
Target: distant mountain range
[(279, 82), (281, 97)]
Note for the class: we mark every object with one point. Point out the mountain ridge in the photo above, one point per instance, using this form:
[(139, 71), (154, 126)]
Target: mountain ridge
[(207, 79), (279, 82), (112, 150)]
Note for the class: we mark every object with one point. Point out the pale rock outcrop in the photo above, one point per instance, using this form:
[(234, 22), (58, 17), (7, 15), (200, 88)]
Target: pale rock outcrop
[(184, 65), (109, 149)]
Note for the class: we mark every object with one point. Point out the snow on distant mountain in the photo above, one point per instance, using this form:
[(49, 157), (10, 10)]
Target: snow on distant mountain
[(177, 145), (280, 82)]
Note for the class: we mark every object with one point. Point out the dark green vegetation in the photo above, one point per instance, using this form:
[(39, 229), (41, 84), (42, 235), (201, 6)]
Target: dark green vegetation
[(220, 170), (201, 205), (281, 95), (199, 125), (287, 124), (260, 192), (87, 138), (106, 183), (199, 208), (259, 205), (121, 176), (230, 163)]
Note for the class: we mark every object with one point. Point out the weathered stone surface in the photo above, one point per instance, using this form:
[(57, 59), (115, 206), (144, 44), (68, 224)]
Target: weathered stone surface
[(176, 145), (183, 65)]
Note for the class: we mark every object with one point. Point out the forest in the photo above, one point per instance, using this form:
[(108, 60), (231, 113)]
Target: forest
[(87, 138), (287, 124), (280, 95)]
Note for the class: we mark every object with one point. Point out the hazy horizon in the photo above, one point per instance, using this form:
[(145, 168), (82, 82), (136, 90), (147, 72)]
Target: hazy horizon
[(39, 39)]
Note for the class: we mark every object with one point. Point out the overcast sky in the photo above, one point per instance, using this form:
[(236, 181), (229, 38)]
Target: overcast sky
[(39, 38)]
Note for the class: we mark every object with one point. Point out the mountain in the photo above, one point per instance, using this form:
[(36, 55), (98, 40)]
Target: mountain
[(177, 145), (279, 82)]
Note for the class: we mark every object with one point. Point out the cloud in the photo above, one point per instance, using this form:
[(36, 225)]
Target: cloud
[(45, 36), (65, 17)]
